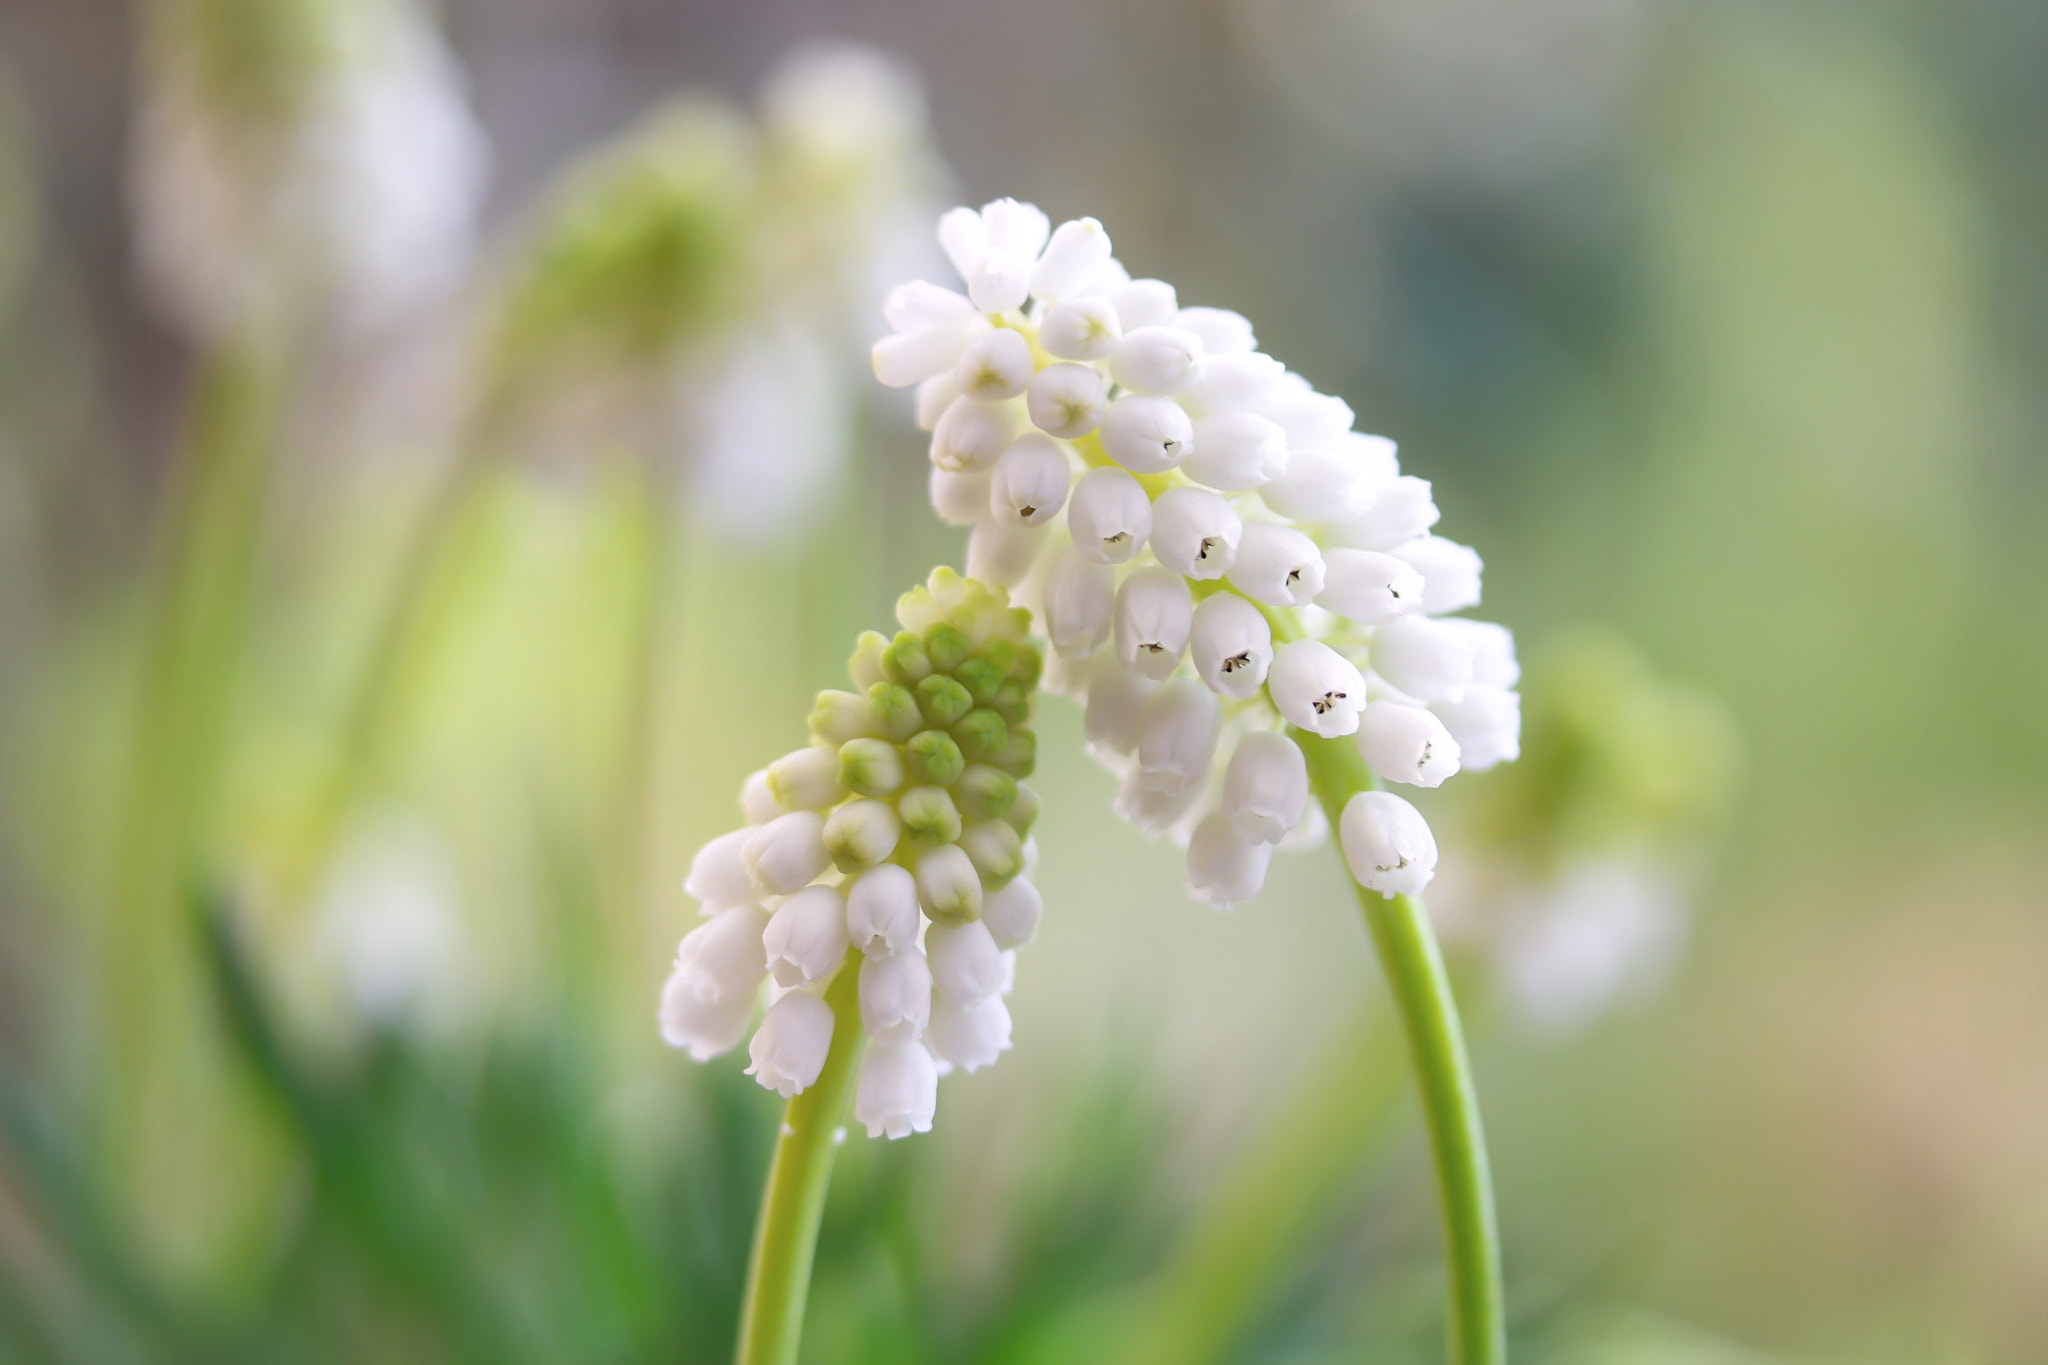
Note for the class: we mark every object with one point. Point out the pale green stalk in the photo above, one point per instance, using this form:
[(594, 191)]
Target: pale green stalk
[(191, 655), (412, 618), (786, 1236), (1429, 1014)]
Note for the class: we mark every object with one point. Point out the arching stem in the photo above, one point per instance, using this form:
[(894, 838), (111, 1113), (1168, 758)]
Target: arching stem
[(1429, 1015)]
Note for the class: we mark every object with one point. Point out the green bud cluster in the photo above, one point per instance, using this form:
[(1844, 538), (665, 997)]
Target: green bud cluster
[(930, 747)]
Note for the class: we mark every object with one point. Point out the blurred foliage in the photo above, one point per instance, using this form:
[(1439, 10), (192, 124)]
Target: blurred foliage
[(1611, 757), (640, 249), (255, 57), (1722, 325)]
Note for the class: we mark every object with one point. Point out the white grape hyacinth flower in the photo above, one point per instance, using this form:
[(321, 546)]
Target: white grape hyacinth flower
[(367, 176), (1222, 526), (893, 854)]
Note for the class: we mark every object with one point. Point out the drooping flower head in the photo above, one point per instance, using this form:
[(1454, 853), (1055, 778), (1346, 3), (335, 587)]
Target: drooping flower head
[(896, 845), (1215, 555)]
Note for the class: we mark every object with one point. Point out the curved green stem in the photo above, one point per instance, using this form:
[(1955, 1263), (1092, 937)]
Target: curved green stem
[(1429, 1014), (786, 1237)]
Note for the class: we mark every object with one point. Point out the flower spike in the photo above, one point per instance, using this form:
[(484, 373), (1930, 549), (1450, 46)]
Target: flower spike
[(1177, 509), (894, 847)]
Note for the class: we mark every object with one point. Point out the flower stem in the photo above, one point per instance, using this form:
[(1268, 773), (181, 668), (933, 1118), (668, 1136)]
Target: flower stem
[(786, 1237), (1429, 1014)]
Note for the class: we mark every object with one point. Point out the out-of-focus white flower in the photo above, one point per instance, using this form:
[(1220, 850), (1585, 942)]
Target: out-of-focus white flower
[(1265, 788), (1012, 914), (1450, 572), (1605, 931), (970, 1034), (723, 957), (768, 430), (1368, 587), (896, 994), (1487, 723), (1080, 603), (966, 963), (1427, 659), (759, 806), (1224, 866), (343, 168), (1401, 510), (719, 874), (389, 924), (706, 1026), (1237, 451), (1177, 736)]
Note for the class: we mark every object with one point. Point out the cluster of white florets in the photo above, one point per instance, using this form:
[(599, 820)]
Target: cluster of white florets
[(896, 845), (1212, 551)]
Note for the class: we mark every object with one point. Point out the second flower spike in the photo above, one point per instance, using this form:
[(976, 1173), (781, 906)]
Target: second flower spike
[(903, 828)]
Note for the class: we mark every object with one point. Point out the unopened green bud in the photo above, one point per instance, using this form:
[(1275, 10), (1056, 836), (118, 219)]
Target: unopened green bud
[(1029, 667), (995, 849), (982, 734), (1002, 653), (1012, 702), (839, 716), (861, 833), (920, 609), (905, 660), (870, 767), (929, 815), (946, 647), (943, 701), (892, 712), (934, 757), (805, 780), (985, 792), (1024, 814), (1020, 757), (977, 617), (866, 663), (981, 678)]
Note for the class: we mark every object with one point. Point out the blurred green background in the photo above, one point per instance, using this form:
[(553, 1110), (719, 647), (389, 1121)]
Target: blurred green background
[(432, 478)]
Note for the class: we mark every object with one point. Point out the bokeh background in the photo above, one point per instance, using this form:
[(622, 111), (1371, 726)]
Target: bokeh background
[(437, 463)]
